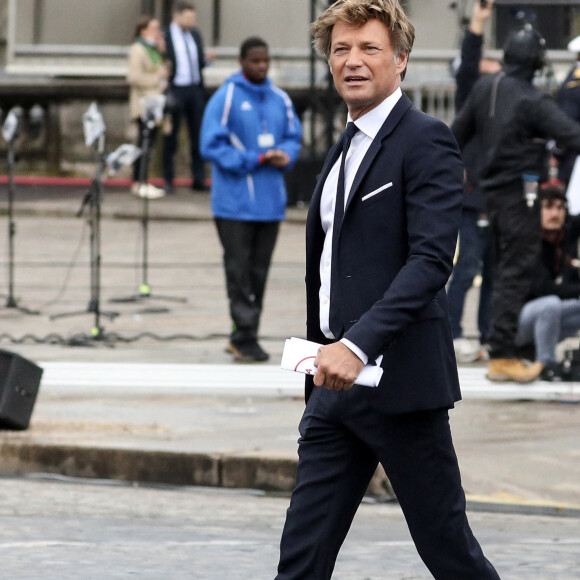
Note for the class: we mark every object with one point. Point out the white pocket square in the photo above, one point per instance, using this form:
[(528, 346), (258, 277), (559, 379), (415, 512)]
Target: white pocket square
[(372, 193)]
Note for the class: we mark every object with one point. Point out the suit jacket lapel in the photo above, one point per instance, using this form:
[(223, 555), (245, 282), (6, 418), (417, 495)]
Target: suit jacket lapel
[(331, 158), (403, 104)]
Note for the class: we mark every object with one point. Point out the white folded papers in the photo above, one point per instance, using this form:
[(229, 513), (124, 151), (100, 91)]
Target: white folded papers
[(299, 356)]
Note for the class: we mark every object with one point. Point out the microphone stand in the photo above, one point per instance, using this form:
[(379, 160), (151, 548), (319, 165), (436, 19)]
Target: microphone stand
[(144, 290), (11, 301), (93, 199)]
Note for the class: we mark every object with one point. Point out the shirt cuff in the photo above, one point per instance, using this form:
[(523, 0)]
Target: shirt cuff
[(355, 349)]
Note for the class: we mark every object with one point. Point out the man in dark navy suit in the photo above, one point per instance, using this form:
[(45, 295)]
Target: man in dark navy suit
[(381, 234), (186, 54)]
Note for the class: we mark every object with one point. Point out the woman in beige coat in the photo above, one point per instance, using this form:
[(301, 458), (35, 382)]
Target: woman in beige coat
[(147, 78)]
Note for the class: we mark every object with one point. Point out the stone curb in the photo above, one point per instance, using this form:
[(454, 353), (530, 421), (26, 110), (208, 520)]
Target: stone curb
[(272, 474), (150, 466)]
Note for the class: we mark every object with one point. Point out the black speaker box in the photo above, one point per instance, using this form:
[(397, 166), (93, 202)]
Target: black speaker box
[(19, 384)]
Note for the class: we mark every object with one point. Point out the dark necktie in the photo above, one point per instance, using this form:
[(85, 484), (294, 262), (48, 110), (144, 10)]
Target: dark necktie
[(346, 138)]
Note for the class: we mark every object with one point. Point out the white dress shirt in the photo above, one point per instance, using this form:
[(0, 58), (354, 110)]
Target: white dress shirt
[(368, 125), (185, 74)]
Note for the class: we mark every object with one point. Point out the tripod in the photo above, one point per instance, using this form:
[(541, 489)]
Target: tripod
[(92, 200), (144, 290), (11, 301)]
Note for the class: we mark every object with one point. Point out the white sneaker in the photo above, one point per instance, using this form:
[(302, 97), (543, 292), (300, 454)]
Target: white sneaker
[(465, 351), (147, 190)]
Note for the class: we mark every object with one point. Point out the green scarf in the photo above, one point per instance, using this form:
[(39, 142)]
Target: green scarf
[(153, 52)]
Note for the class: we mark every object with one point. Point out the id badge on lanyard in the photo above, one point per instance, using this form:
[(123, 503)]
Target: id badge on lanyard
[(266, 140)]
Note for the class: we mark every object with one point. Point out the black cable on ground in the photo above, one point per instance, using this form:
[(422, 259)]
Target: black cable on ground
[(105, 338)]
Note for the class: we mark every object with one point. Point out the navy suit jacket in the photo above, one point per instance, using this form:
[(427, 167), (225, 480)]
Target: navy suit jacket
[(170, 53), (394, 256)]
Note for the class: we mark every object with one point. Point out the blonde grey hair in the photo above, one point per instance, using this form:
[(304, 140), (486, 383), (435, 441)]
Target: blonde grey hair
[(358, 13)]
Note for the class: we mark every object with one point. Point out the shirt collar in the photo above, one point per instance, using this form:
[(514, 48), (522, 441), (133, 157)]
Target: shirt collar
[(371, 122)]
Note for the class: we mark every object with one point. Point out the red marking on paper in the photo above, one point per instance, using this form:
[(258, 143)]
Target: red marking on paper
[(309, 371)]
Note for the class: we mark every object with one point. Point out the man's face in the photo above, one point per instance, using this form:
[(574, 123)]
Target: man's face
[(363, 65), (255, 64), (553, 214), (186, 19)]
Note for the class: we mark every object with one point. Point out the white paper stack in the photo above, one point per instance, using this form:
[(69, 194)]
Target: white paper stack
[(299, 355)]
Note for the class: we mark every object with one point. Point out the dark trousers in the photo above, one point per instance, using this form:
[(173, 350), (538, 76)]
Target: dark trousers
[(189, 102), (342, 436), (474, 258), (248, 248), (140, 167), (516, 247)]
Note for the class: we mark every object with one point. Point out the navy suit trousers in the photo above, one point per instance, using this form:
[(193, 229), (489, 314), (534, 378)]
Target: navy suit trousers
[(189, 103), (342, 437)]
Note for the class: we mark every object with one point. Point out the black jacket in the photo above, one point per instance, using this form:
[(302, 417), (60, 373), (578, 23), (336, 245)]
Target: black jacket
[(170, 53), (393, 257), (466, 77), (555, 275), (514, 120)]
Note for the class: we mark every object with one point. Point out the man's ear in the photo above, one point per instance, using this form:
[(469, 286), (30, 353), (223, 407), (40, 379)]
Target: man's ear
[(401, 62)]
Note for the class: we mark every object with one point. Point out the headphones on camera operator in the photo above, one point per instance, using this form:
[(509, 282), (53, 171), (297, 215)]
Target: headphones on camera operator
[(525, 48)]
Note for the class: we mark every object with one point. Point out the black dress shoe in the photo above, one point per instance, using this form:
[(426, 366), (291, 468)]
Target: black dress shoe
[(200, 187), (552, 371)]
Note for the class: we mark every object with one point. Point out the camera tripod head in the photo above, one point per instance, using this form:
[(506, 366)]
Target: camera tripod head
[(94, 126), (12, 124), (124, 156), (153, 109)]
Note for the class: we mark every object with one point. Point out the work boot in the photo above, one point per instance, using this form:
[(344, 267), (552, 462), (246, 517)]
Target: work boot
[(512, 369), (249, 351)]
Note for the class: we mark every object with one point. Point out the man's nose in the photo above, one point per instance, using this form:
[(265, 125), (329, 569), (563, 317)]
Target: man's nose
[(354, 58)]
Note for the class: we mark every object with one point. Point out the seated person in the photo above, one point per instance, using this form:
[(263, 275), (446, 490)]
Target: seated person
[(552, 312)]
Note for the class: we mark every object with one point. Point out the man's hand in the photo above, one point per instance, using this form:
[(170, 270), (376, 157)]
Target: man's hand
[(276, 157), (337, 367), (480, 16)]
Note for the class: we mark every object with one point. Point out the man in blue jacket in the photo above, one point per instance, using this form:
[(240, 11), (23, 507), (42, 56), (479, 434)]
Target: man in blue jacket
[(251, 134)]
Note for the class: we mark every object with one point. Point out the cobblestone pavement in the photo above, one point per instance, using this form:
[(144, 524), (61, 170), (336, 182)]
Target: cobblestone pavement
[(65, 531)]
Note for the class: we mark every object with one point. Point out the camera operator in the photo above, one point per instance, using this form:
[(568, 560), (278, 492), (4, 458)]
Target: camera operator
[(474, 256), (552, 312), (513, 120)]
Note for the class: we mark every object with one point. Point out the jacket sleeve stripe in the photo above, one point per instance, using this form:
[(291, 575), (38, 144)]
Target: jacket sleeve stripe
[(288, 103), (228, 104)]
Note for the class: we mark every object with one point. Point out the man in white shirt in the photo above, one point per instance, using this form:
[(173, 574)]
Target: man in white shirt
[(185, 52), (380, 239)]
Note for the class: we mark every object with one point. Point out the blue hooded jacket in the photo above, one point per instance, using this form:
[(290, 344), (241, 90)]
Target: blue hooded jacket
[(235, 117)]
